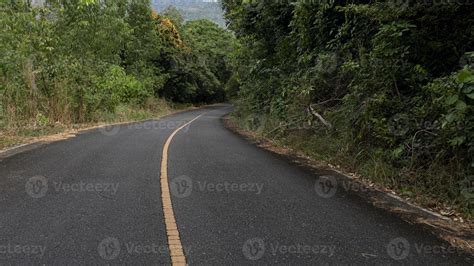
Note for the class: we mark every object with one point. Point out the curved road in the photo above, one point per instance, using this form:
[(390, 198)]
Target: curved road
[(97, 199)]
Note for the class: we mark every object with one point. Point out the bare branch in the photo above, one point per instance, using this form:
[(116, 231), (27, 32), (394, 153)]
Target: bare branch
[(314, 113)]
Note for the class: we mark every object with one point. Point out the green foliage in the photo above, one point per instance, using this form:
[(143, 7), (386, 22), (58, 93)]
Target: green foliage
[(387, 77), (172, 13), (199, 65), (71, 60), (213, 45), (115, 87), (42, 120)]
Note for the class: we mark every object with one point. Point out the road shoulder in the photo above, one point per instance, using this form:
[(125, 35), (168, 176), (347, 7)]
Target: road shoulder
[(28, 144), (457, 234)]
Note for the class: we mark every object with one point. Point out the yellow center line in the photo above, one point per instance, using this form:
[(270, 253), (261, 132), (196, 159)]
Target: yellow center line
[(174, 242)]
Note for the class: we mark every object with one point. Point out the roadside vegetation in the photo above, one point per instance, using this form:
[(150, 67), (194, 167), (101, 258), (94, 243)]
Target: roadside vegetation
[(381, 88), (67, 63)]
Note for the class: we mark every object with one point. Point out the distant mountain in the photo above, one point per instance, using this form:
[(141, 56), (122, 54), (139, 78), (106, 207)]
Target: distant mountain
[(194, 9), (190, 9), (37, 2)]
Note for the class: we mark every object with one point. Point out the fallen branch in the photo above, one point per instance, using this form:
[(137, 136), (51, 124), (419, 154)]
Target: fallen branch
[(314, 113)]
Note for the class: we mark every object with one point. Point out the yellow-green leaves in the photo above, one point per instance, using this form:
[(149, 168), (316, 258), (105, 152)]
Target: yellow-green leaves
[(87, 2)]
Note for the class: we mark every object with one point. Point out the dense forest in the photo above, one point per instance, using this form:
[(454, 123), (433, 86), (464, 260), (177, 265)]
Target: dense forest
[(383, 88), (76, 61)]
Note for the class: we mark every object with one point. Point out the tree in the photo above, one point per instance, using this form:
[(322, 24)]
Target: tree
[(213, 44), (174, 15)]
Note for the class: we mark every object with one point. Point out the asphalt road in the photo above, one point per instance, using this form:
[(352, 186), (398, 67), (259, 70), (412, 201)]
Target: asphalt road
[(96, 199)]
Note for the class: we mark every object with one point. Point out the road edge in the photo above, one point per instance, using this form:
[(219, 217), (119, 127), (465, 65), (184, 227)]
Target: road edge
[(71, 133), (456, 234)]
